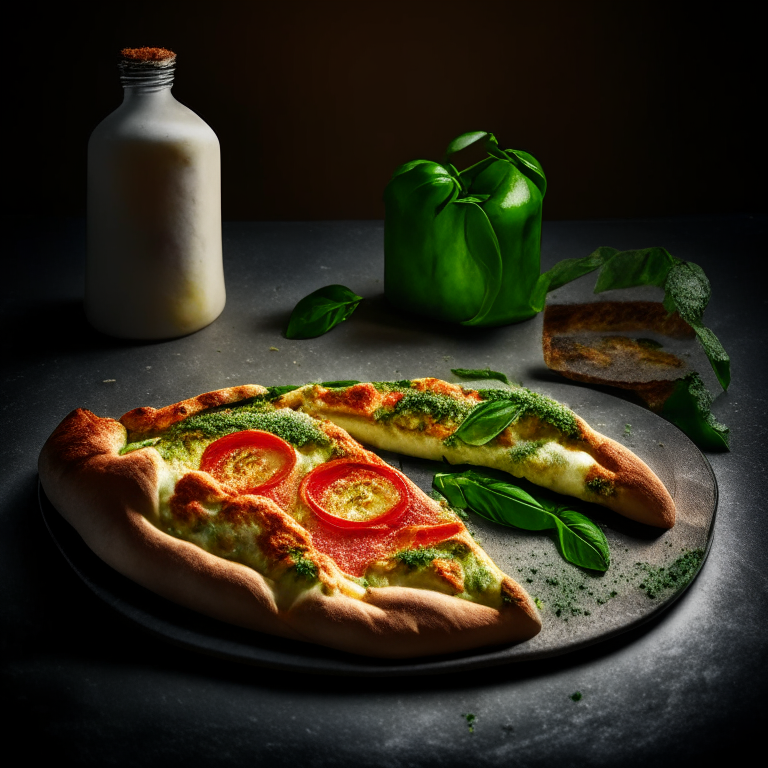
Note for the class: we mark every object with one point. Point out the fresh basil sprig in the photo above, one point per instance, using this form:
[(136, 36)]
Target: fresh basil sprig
[(486, 420), (320, 311), (480, 373), (686, 289), (579, 540)]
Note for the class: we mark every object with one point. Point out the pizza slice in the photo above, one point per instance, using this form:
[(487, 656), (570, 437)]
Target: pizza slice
[(543, 441), (265, 517)]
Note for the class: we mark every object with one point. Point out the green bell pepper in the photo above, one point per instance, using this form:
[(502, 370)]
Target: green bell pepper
[(465, 246)]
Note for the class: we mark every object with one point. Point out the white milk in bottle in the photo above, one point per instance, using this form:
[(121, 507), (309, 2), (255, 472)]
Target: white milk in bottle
[(154, 265)]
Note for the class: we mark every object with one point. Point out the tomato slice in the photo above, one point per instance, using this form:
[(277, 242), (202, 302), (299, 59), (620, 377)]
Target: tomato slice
[(355, 495), (249, 461)]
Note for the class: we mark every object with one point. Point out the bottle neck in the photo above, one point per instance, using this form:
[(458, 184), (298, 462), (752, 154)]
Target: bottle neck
[(139, 77)]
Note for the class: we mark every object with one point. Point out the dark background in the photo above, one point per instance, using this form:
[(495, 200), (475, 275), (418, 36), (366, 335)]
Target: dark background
[(634, 109)]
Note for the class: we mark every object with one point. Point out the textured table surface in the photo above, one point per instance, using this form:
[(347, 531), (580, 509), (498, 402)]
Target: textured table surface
[(84, 683)]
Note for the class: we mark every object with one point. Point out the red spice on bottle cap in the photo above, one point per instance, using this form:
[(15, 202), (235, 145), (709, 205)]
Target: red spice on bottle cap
[(147, 54)]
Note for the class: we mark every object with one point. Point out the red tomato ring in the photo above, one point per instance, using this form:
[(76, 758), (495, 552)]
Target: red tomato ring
[(321, 477), (216, 454)]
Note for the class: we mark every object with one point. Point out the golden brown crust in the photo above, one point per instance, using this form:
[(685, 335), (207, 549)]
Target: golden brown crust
[(110, 500), (143, 421), (637, 493)]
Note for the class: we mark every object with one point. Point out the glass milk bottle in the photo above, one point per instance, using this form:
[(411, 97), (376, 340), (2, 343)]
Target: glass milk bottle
[(154, 266)]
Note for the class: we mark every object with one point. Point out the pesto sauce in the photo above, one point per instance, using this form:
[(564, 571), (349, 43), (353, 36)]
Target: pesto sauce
[(440, 407), (544, 408), (600, 486), (421, 556), (525, 450), (417, 558), (293, 427), (477, 578), (392, 386), (303, 565)]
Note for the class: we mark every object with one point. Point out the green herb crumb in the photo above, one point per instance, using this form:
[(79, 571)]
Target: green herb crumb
[(659, 579), (303, 565), (576, 696), (471, 720), (601, 486), (417, 558)]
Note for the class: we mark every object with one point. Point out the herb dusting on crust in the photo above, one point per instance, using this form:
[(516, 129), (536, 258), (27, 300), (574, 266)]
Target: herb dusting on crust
[(533, 404), (659, 579)]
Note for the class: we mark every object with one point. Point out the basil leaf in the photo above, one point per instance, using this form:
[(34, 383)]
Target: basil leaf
[(464, 141), (274, 392), (448, 485), (687, 290), (688, 407), (566, 271), (484, 373), (504, 503), (581, 541), (627, 269), (486, 420), (718, 357), (320, 311), (338, 384)]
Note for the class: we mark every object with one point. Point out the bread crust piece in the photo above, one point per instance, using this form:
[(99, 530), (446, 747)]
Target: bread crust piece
[(584, 464), (110, 499)]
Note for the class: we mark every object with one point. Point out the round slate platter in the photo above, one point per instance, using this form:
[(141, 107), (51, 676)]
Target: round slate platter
[(649, 568)]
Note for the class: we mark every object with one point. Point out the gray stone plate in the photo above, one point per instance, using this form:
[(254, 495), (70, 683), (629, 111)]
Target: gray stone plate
[(649, 569)]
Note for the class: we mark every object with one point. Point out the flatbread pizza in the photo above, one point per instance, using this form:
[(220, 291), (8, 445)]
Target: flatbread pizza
[(257, 506), (270, 519)]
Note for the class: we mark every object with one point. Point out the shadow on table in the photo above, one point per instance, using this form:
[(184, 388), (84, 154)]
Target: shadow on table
[(58, 327), (377, 320)]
